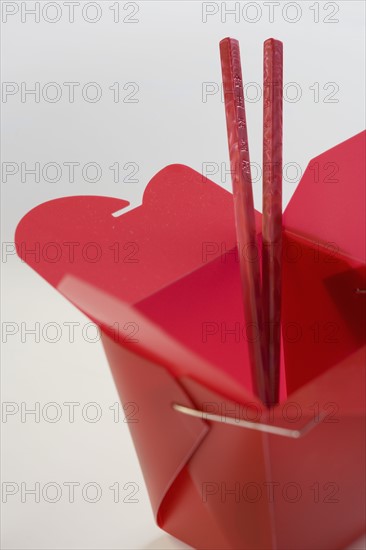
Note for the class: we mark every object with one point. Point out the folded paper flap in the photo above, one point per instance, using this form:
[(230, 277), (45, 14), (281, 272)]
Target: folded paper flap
[(324, 266), (133, 330), (336, 395), (137, 253), (329, 204), (228, 460), (323, 315), (324, 400), (185, 223), (164, 441)]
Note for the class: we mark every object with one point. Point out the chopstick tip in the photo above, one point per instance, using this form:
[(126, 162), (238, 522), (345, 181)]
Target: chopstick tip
[(273, 42), (228, 40)]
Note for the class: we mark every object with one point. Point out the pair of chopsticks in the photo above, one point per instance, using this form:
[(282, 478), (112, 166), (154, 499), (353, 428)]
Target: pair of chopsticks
[(262, 298)]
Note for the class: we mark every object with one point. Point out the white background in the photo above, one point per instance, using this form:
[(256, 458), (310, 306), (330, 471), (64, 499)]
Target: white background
[(169, 52)]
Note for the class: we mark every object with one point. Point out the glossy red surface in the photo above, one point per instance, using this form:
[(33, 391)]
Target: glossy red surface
[(272, 208), (187, 275), (244, 213)]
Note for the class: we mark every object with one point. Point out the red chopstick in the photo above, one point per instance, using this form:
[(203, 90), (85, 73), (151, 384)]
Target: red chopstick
[(244, 209), (272, 207)]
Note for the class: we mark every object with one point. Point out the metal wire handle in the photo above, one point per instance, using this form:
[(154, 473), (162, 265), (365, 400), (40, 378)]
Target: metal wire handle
[(258, 426)]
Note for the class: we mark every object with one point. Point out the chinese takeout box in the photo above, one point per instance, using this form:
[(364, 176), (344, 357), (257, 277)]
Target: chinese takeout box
[(162, 281)]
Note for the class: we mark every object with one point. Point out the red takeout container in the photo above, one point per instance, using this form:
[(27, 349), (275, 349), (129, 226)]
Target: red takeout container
[(163, 283)]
